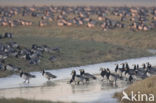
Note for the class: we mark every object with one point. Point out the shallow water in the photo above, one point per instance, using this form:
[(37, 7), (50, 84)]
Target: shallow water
[(59, 90), (95, 91), (15, 81)]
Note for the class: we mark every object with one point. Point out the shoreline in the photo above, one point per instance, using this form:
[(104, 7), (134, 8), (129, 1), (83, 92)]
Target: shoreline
[(61, 91)]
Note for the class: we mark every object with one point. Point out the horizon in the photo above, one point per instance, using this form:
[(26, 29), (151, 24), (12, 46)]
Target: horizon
[(148, 3)]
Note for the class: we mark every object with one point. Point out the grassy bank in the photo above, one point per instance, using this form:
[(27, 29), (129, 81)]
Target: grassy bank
[(147, 86), (79, 45), (19, 100), (123, 37)]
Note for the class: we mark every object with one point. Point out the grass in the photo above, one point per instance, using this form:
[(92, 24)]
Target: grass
[(79, 46), (147, 86), (73, 53), (124, 37), (19, 100)]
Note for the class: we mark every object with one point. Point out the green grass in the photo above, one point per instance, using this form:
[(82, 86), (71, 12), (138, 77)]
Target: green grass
[(19, 100)]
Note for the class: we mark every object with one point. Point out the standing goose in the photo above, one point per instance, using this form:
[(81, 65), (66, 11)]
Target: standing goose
[(135, 69), (128, 76), (77, 78), (111, 77), (103, 72), (146, 73), (118, 70), (48, 75), (86, 75), (144, 66), (127, 65), (26, 76), (149, 66)]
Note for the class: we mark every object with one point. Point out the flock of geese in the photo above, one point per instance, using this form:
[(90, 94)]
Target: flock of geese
[(124, 73)]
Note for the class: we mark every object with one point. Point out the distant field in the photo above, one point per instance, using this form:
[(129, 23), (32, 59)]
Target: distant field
[(78, 2), (80, 45)]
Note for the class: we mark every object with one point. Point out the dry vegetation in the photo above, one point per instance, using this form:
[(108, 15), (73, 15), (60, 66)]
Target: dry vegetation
[(147, 86)]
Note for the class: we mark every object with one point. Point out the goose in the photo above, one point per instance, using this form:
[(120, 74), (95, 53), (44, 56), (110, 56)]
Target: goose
[(127, 65), (149, 66), (146, 74), (103, 72), (144, 66), (26, 76), (48, 75), (77, 78), (134, 67), (10, 67), (123, 65), (137, 66), (127, 75), (111, 77), (118, 70), (87, 75)]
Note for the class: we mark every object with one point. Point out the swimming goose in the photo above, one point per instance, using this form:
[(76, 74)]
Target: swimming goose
[(86, 75), (26, 76), (111, 77), (48, 75), (77, 78)]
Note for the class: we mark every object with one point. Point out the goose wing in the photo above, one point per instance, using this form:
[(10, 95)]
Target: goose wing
[(29, 75), (89, 75)]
